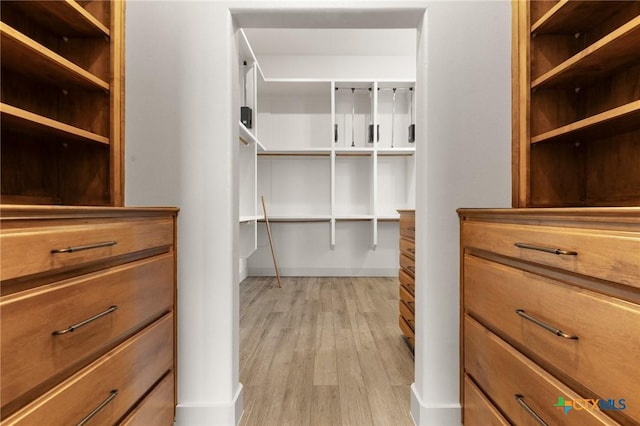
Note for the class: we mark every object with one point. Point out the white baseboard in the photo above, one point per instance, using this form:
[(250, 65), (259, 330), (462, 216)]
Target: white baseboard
[(211, 414), (324, 272), (434, 415)]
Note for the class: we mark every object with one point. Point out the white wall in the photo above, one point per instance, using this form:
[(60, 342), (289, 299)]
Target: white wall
[(464, 162), (180, 125), (180, 129)]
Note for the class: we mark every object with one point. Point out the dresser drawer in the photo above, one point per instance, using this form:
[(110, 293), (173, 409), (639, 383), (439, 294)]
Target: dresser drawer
[(31, 250), (407, 281), (408, 248), (512, 380), (407, 331), (407, 226), (157, 408), (407, 314), (609, 255), (32, 351), (478, 410), (408, 264), (607, 329), (407, 298), (130, 370)]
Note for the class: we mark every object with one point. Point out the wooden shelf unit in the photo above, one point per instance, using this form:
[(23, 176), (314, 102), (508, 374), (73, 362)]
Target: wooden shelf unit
[(62, 102), (576, 104)]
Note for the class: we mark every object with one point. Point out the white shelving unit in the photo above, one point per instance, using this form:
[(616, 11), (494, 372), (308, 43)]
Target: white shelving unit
[(315, 155)]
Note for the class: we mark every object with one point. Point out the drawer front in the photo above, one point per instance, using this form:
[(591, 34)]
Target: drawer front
[(31, 353), (157, 408), (408, 264), (408, 226), (407, 331), (33, 250), (607, 328), (407, 298), (609, 255), (511, 380), (407, 314), (478, 410), (408, 248), (131, 369), (407, 281)]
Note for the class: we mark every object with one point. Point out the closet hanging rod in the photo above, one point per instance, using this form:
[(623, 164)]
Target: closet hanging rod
[(383, 89)]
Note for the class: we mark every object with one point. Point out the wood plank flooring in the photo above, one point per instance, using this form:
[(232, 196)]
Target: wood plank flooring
[(323, 351)]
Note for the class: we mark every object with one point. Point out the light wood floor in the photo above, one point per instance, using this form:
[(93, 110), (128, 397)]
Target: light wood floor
[(323, 351)]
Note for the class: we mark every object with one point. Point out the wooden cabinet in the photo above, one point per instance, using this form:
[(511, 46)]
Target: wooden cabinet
[(542, 317), (62, 114), (550, 307), (406, 275), (576, 103), (87, 315)]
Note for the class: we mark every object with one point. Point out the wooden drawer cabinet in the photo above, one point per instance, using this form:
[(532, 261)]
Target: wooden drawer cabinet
[(512, 381), (609, 255), (157, 407), (406, 274), (78, 243), (68, 331), (562, 332), (479, 410), (145, 357)]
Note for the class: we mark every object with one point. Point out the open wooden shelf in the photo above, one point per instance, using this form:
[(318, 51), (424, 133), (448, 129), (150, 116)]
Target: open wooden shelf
[(569, 17), (25, 55), (65, 18), (598, 60), (608, 123), (33, 123), (303, 152)]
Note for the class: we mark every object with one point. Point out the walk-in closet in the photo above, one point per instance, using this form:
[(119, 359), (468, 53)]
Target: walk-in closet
[(326, 164)]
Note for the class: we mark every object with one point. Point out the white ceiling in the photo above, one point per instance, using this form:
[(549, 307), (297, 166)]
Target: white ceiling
[(332, 42)]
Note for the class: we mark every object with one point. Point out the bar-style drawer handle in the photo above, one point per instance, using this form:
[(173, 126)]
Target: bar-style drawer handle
[(96, 410), (520, 399), (547, 249), (85, 322), (87, 247), (546, 326), (411, 228), (412, 269), (411, 250)]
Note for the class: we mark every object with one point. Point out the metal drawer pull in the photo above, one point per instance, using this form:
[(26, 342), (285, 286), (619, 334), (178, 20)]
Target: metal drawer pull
[(412, 251), (95, 411), (546, 326), (411, 228), (546, 249), (520, 399), (85, 322), (87, 247)]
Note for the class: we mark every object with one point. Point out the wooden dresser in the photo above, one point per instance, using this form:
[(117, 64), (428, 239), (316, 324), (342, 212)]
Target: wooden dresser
[(406, 275), (87, 315), (550, 290), (88, 288), (551, 308)]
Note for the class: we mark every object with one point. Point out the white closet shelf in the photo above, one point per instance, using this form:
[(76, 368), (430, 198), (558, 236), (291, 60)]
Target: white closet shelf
[(354, 217), (410, 150), (297, 152), (247, 219), (300, 218), (353, 151)]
